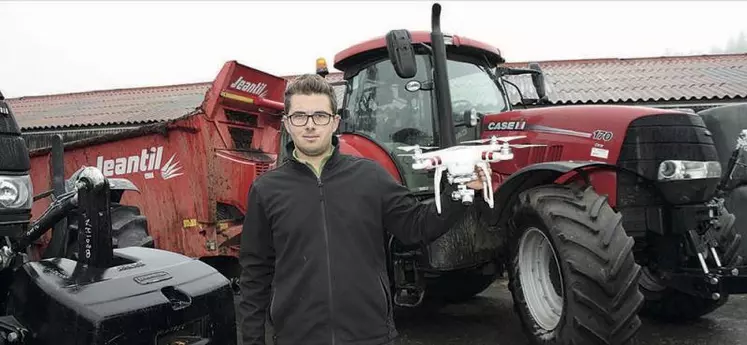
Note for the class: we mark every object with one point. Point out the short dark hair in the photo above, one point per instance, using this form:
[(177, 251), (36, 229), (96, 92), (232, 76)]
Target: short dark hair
[(308, 84)]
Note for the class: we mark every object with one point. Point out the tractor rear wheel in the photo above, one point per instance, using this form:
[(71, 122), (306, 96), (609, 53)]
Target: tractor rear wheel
[(572, 273), (129, 229), (671, 305)]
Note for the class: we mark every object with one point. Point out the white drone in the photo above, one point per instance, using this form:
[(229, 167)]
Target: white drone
[(460, 162)]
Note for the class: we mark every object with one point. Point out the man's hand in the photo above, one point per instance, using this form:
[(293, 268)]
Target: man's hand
[(477, 184)]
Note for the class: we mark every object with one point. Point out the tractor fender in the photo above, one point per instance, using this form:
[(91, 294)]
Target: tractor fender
[(117, 186), (532, 176), (122, 184)]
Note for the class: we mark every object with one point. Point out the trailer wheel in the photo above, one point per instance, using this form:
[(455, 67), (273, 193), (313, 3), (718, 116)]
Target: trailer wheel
[(572, 273), (671, 305), (129, 229)]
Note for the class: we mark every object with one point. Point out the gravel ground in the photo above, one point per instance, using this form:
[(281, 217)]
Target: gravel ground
[(489, 319)]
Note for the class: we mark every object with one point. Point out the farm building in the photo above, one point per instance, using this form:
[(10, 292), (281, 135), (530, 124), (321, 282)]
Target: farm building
[(696, 82)]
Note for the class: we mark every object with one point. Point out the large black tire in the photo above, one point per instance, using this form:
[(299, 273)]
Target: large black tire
[(671, 305), (595, 287), (129, 229)]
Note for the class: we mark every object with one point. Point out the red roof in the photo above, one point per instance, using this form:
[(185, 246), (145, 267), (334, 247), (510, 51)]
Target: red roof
[(705, 78), (379, 42)]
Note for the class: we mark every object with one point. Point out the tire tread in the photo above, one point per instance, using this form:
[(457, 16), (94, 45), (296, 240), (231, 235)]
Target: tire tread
[(601, 276)]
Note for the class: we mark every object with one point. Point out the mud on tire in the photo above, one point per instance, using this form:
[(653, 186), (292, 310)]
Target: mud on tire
[(129, 228), (671, 305), (589, 294)]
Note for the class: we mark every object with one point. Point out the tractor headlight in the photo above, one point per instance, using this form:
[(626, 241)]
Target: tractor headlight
[(15, 192), (687, 170)]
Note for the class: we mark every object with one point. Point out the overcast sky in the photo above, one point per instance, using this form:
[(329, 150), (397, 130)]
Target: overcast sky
[(60, 47)]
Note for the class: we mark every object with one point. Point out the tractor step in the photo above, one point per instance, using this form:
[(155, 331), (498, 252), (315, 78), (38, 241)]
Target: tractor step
[(409, 287), (409, 297)]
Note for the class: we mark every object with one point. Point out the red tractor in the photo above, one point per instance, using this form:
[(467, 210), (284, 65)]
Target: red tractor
[(620, 211)]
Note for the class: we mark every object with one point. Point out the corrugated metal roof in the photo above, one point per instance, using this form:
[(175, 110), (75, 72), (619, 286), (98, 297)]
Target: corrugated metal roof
[(710, 77), (685, 78), (116, 107), (656, 79), (110, 107)]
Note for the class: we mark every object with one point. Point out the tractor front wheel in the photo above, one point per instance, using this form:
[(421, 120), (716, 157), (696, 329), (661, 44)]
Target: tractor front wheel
[(572, 273)]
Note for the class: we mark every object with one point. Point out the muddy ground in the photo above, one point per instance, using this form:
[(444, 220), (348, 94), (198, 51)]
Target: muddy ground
[(489, 319)]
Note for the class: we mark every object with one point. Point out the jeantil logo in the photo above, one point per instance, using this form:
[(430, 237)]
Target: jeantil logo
[(147, 162)]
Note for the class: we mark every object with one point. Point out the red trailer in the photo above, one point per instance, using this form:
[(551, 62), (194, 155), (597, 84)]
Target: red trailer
[(193, 173)]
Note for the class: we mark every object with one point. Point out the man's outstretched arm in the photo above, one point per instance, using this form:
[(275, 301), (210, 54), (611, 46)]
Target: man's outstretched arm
[(412, 221), (257, 259)]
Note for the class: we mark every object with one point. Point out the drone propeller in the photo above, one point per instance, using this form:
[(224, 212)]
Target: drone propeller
[(416, 147), (504, 139)]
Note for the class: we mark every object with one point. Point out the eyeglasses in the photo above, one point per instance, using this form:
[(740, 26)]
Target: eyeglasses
[(320, 118)]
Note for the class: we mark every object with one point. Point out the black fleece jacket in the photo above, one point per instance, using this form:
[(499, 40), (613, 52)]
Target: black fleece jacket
[(312, 250)]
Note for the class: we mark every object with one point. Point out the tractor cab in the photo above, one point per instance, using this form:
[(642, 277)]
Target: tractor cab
[(402, 90)]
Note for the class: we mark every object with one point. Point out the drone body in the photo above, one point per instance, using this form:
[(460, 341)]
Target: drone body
[(460, 163)]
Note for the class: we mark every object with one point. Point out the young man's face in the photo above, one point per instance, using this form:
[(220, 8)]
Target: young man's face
[(312, 138)]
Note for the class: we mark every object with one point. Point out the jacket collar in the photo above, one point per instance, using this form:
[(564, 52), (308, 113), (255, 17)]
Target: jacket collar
[(334, 157)]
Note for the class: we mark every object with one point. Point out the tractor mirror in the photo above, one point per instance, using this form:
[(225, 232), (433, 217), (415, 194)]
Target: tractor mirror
[(401, 53), (538, 79), (470, 118)]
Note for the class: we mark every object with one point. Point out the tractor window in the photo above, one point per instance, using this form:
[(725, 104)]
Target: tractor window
[(379, 107), (472, 87)]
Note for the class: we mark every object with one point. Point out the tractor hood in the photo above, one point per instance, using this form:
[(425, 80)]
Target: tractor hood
[(670, 148), (601, 129)]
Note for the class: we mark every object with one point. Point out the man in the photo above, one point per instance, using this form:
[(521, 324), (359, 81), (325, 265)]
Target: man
[(313, 242)]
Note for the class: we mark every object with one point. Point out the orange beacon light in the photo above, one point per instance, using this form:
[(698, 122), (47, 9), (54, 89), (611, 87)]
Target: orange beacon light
[(321, 67)]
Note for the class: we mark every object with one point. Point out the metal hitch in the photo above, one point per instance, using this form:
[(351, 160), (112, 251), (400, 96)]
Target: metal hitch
[(709, 281)]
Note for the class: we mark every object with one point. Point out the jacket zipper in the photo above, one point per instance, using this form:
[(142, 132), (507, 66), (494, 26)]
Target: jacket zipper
[(329, 269), (326, 242)]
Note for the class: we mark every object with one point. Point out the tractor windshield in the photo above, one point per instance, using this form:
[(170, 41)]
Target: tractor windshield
[(378, 106), (472, 87)]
